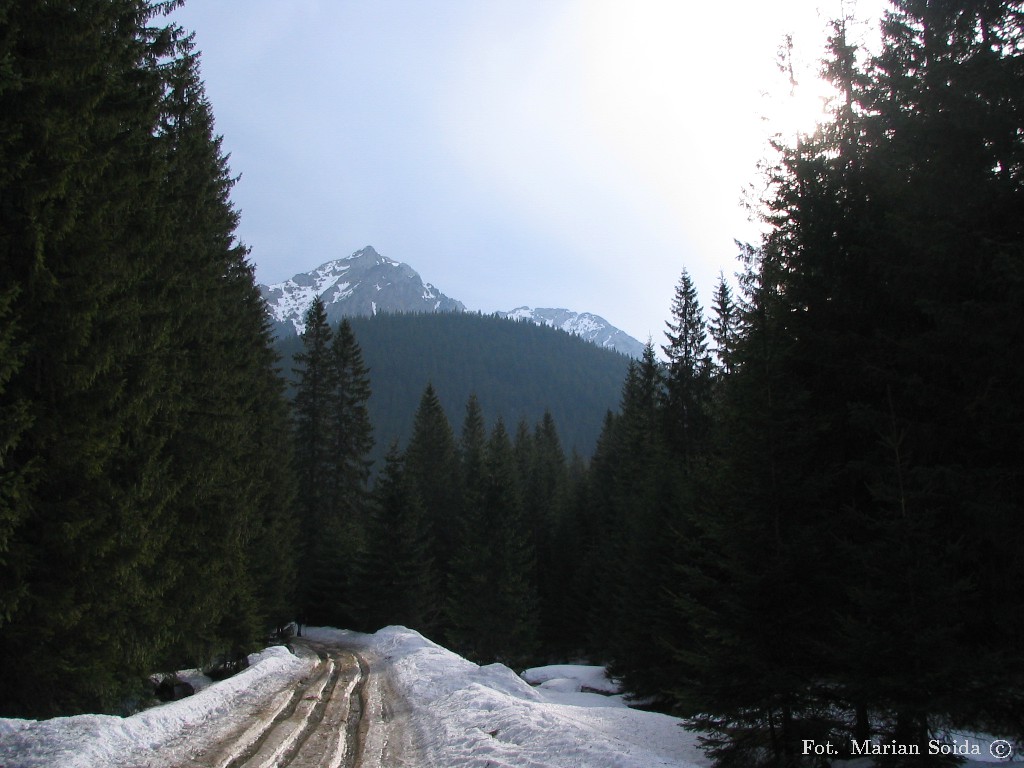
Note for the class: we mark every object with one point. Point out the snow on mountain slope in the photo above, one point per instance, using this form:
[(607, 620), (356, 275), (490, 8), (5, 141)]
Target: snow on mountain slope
[(592, 328), (363, 283), (366, 283)]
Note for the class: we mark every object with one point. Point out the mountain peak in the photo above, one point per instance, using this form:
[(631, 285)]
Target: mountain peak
[(362, 283), (368, 254)]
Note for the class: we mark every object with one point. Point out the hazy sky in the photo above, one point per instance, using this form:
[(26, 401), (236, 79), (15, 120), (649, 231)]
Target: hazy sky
[(565, 153)]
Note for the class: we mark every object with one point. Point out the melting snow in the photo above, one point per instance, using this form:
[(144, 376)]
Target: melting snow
[(474, 716), (107, 741), (462, 715)]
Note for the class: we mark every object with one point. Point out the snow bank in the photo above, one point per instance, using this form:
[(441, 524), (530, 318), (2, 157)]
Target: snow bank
[(581, 685), (474, 716), (90, 741)]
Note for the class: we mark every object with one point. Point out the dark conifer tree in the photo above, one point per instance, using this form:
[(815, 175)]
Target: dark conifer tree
[(469, 593), (644, 501), (492, 608), (724, 327), (566, 628), (432, 466), (80, 173), (13, 423), (352, 433), (321, 574), (523, 449), (137, 329), (472, 442), (688, 373), (545, 497), (945, 104), (395, 579), (843, 422), (232, 564), (350, 442), (602, 544), (510, 631)]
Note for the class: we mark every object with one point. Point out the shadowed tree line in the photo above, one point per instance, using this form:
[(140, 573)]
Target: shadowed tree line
[(144, 489), (813, 532)]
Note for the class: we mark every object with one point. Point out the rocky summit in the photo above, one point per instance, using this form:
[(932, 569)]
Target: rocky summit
[(364, 283)]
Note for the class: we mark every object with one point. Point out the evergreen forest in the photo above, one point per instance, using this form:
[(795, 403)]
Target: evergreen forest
[(517, 370), (801, 518)]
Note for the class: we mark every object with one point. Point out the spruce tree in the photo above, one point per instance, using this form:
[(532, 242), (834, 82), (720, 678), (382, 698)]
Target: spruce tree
[(602, 542), (395, 578), (469, 593), (565, 617), (644, 509), (946, 105), (316, 388), (724, 326), (231, 565), (81, 95), (509, 633), (432, 465), (545, 498), (140, 392), (13, 480), (350, 442), (492, 603), (850, 450), (688, 374)]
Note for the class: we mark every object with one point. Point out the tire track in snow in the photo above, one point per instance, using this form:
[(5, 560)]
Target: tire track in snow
[(314, 725)]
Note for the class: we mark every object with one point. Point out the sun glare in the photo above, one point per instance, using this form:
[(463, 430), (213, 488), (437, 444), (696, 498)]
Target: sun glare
[(801, 110), (657, 77)]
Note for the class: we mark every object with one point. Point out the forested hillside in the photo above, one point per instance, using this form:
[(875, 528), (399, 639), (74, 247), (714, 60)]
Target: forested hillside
[(517, 370)]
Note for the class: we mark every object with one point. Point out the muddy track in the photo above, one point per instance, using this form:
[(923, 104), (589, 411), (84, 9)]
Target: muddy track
[(314, 725), (386, 736)]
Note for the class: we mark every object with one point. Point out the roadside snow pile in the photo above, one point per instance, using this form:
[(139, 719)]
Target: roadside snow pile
[(577, 684), (590, 679), (88, 741), (471, 716)]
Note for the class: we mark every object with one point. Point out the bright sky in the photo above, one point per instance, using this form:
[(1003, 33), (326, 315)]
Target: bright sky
[(562, 153)]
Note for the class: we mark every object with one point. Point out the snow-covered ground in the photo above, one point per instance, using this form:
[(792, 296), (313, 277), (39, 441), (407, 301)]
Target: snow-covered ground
[(461, 714), (99, 741), (467, 715), (458, 715)]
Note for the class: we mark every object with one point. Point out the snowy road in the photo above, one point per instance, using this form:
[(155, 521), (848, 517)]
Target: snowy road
[(344, 714), (315, 724), (343, 699)]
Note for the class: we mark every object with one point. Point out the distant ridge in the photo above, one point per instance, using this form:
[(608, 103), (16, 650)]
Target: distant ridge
[(366, 283), (592, 328)]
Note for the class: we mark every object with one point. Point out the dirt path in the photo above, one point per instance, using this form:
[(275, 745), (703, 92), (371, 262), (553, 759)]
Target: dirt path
[(341, 715), (385, 734)]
